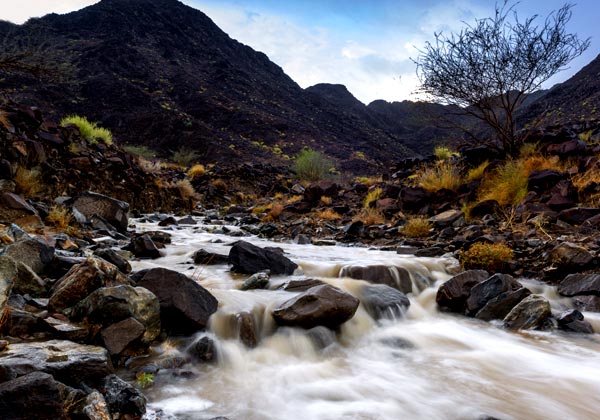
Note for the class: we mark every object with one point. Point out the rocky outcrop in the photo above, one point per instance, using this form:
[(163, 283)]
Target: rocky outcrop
[(249, 259)]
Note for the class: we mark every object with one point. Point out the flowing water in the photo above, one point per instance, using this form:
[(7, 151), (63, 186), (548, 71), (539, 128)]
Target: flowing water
[(423, 365)]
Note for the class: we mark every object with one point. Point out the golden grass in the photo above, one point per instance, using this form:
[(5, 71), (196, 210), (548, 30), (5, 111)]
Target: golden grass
[(417, 227), (477, 172), (441, 175), (149, 166), (219, 184), (582, 180), (369, 180), (490, 257), (372, 195), (89, 130), (540, 162), (4, 121), (326, 200), (276, 210), (60, 217), (507, 184), (186, 190), (294, 199), (261, 209), (327, 214), (28, 181), (444, 153), (369, 216), (196, 171)]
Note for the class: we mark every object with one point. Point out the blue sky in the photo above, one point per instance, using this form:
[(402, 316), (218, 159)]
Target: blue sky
[(363, 44)]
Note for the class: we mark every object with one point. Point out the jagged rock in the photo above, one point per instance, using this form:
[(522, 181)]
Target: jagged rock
[(580, 284), (14, 209), (488, 289), (302, 239), (30, 251), (540, 181), (578, 215), (533, 312), (65, 330), (209, 258), (144, 247), (187, 220), (568, 148), (36, 395), (587, 303), (498, 307), (383, 301), (91, 204), (115, 258), (314, 192), (453, 294), (8, 272), (27, 282), (185, 306), (123, 400), (247, 329), (414, 198), (95, 407), (20, 323), (249, 259), (354, 228), (121, 335), (568, 256), (573, 321), (203, 350), (68, 362), (168, 221), (81, 280), (321, 305), (447, 218), (258, 280), (300, 285), (484, 207), (397, 277), (108, 305)]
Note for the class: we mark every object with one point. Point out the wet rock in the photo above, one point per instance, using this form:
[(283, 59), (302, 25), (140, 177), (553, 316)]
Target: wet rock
[(258, 280), (482, 292), (30, 251), (414, 198), (81, 280), (185, 306), (20, 323), (247, 329), (300, 285), (452, 295), (587, 303), (448, 218), (144, 247), (321, 337), (533, 312), (580, 284), (115, 258), (397, 277), (95, 407), (383, 301), (35, 395), (499, 306), (68, 362), (203, 350), (578, 215), (321, 305), (8, 272), (65, 330), (573, 321), (121, 335), (168, 221), (187, 220), (354, 228), (91, 205), (249, 259), (123, 400), (434, 251), (209, 258), (568, 256)]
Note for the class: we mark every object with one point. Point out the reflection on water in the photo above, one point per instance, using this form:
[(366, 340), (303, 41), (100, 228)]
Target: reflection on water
[(427, 365)]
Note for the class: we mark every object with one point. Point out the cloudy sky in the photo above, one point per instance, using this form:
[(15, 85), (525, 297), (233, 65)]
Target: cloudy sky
[(363, 44)]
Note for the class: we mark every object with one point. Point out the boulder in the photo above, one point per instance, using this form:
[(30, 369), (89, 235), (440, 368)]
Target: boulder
[(209, 258), (573, 321), (27, 282), (185, 306), (397, 277), (568, 256), (300, 285), (578, 215), (8, 272), (122, 335), (316, 190), (91, 204), (203, 350), (143, 246), (68, 362), (498, 307), (588, 303), (580, 284), (123, 399), (247, 329), (115, 258), (321, 305), (540, 181), (20, 323), (482, 292), (81, 280), (258, 280), (484, 207), (414, 198), (14, 209), (36, 395), (447, 218), (30, 251), (453, 294), (95, 407), (533, 312), (249, 259), (383, 301)]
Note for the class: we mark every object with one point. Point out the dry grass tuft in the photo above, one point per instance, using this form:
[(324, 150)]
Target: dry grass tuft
[(490, 257), (219, 184), (418, 227), (28, 181), (149, 166), (326, 200), (441, 175), (507, 184), (186, 190), (60, 217), (477, 172), (294, 199), (372, 195), (196, 171), (327, 214), (369, 216)]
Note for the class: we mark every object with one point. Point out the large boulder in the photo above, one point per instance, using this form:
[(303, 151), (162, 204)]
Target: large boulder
[(397, 277), (115, 258), (573, 321), (488, 289), (588, 303), (314, 192), (568, 256), (142, 246), (249, 259), (8, 272), (91, 205), (383, 301), (321, 305), (36, 395), (81, 280), (453, 294), (123, 400), (122, 335), (580, 284), (204, 257), (578, 215), (30, 251), (14, 209), (533, 312), (185, 306), (68, 362), (499, 306)]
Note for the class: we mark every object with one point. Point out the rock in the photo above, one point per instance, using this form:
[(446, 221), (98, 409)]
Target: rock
[(258, 280), (484, 207), (115, 258), (433, 251), (412, 199), (65, 330), (447, 218), (144, 247), (300, 285), (35, 395), (123, 400), (168, 221), (91, 205), (355, 228), (568, 148), (397, 277), (203, 350), (30, 251), (482, 292), (81, 280), (587, 303), (580, 284), (185, 306), (19, 323), (543, 180), (14, 209), (27, 282), (321, 337), (314, 192), (568, 256), (383, 301), (578, 215), (249, 259), (533, 312), (121, 335), (453, 294), (498, 307), (321, 305), (209, 258), (187, 220), (68, 362), (95, 407), (247, 329), (573, 321), (8, 272)]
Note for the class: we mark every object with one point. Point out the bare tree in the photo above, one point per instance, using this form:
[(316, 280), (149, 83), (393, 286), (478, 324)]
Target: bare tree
[(489, 67)]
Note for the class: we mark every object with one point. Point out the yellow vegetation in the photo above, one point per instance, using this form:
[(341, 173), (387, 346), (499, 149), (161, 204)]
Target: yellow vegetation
[(327, 214), (369, 216), (326, 200), (490, 257), (507, 184), (196, 171), (60, 217), (28, 181), (418, 227), (441, 175), (89, 130), (372, 195), (186, 190), (477, 172)]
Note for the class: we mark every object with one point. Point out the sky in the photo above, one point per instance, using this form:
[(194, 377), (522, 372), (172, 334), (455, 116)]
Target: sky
[(366, 45)]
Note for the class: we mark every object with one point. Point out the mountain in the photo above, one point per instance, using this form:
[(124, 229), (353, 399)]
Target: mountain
[(162, 74)]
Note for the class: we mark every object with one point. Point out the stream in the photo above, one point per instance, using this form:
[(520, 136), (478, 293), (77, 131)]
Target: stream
[(422, 365)]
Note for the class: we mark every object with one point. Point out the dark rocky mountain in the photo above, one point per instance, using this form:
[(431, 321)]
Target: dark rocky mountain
[(159, 73)]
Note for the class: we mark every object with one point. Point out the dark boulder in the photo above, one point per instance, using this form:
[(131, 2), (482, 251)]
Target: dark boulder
[(484, 207), (185, 306), (321, 305), (569, 257), (533, 312), (488, 289), (540, 181), (383, 301), (453, 294), (580, 284), (314, 192), (203, 350), (588, 303), (498, 307), (397, 277), (300, 285), (30, 251), (91, 205), (258, 280), (414, 198), (35, 395), (123, 399), (113, 257), (249, 259), (209, 258), (247, 330), (573, 321), (143, 246), (578, 215), (14, 209)]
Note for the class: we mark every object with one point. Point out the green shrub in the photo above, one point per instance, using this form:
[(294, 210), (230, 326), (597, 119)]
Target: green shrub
[(185, 156), (89, 130), (142, 151), (311, 165), (490, 257)]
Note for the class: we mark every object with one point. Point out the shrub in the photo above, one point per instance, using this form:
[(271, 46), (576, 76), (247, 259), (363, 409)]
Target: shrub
[(219, 184), (59, 216), (417, 227), (490, 257), (442, 175), (369, 217), (144, 380), (372, 196), (142, 151), (477, 172), (507, 184), (444, 153), (326, 200), (89, 130), (276, 210), (311, 165), (328, 214), (28, 181), (186, 190), (368, 180), (196, 171), (184, 156)]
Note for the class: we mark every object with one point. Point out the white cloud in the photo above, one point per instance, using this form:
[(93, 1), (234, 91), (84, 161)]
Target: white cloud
[(18, 11)]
